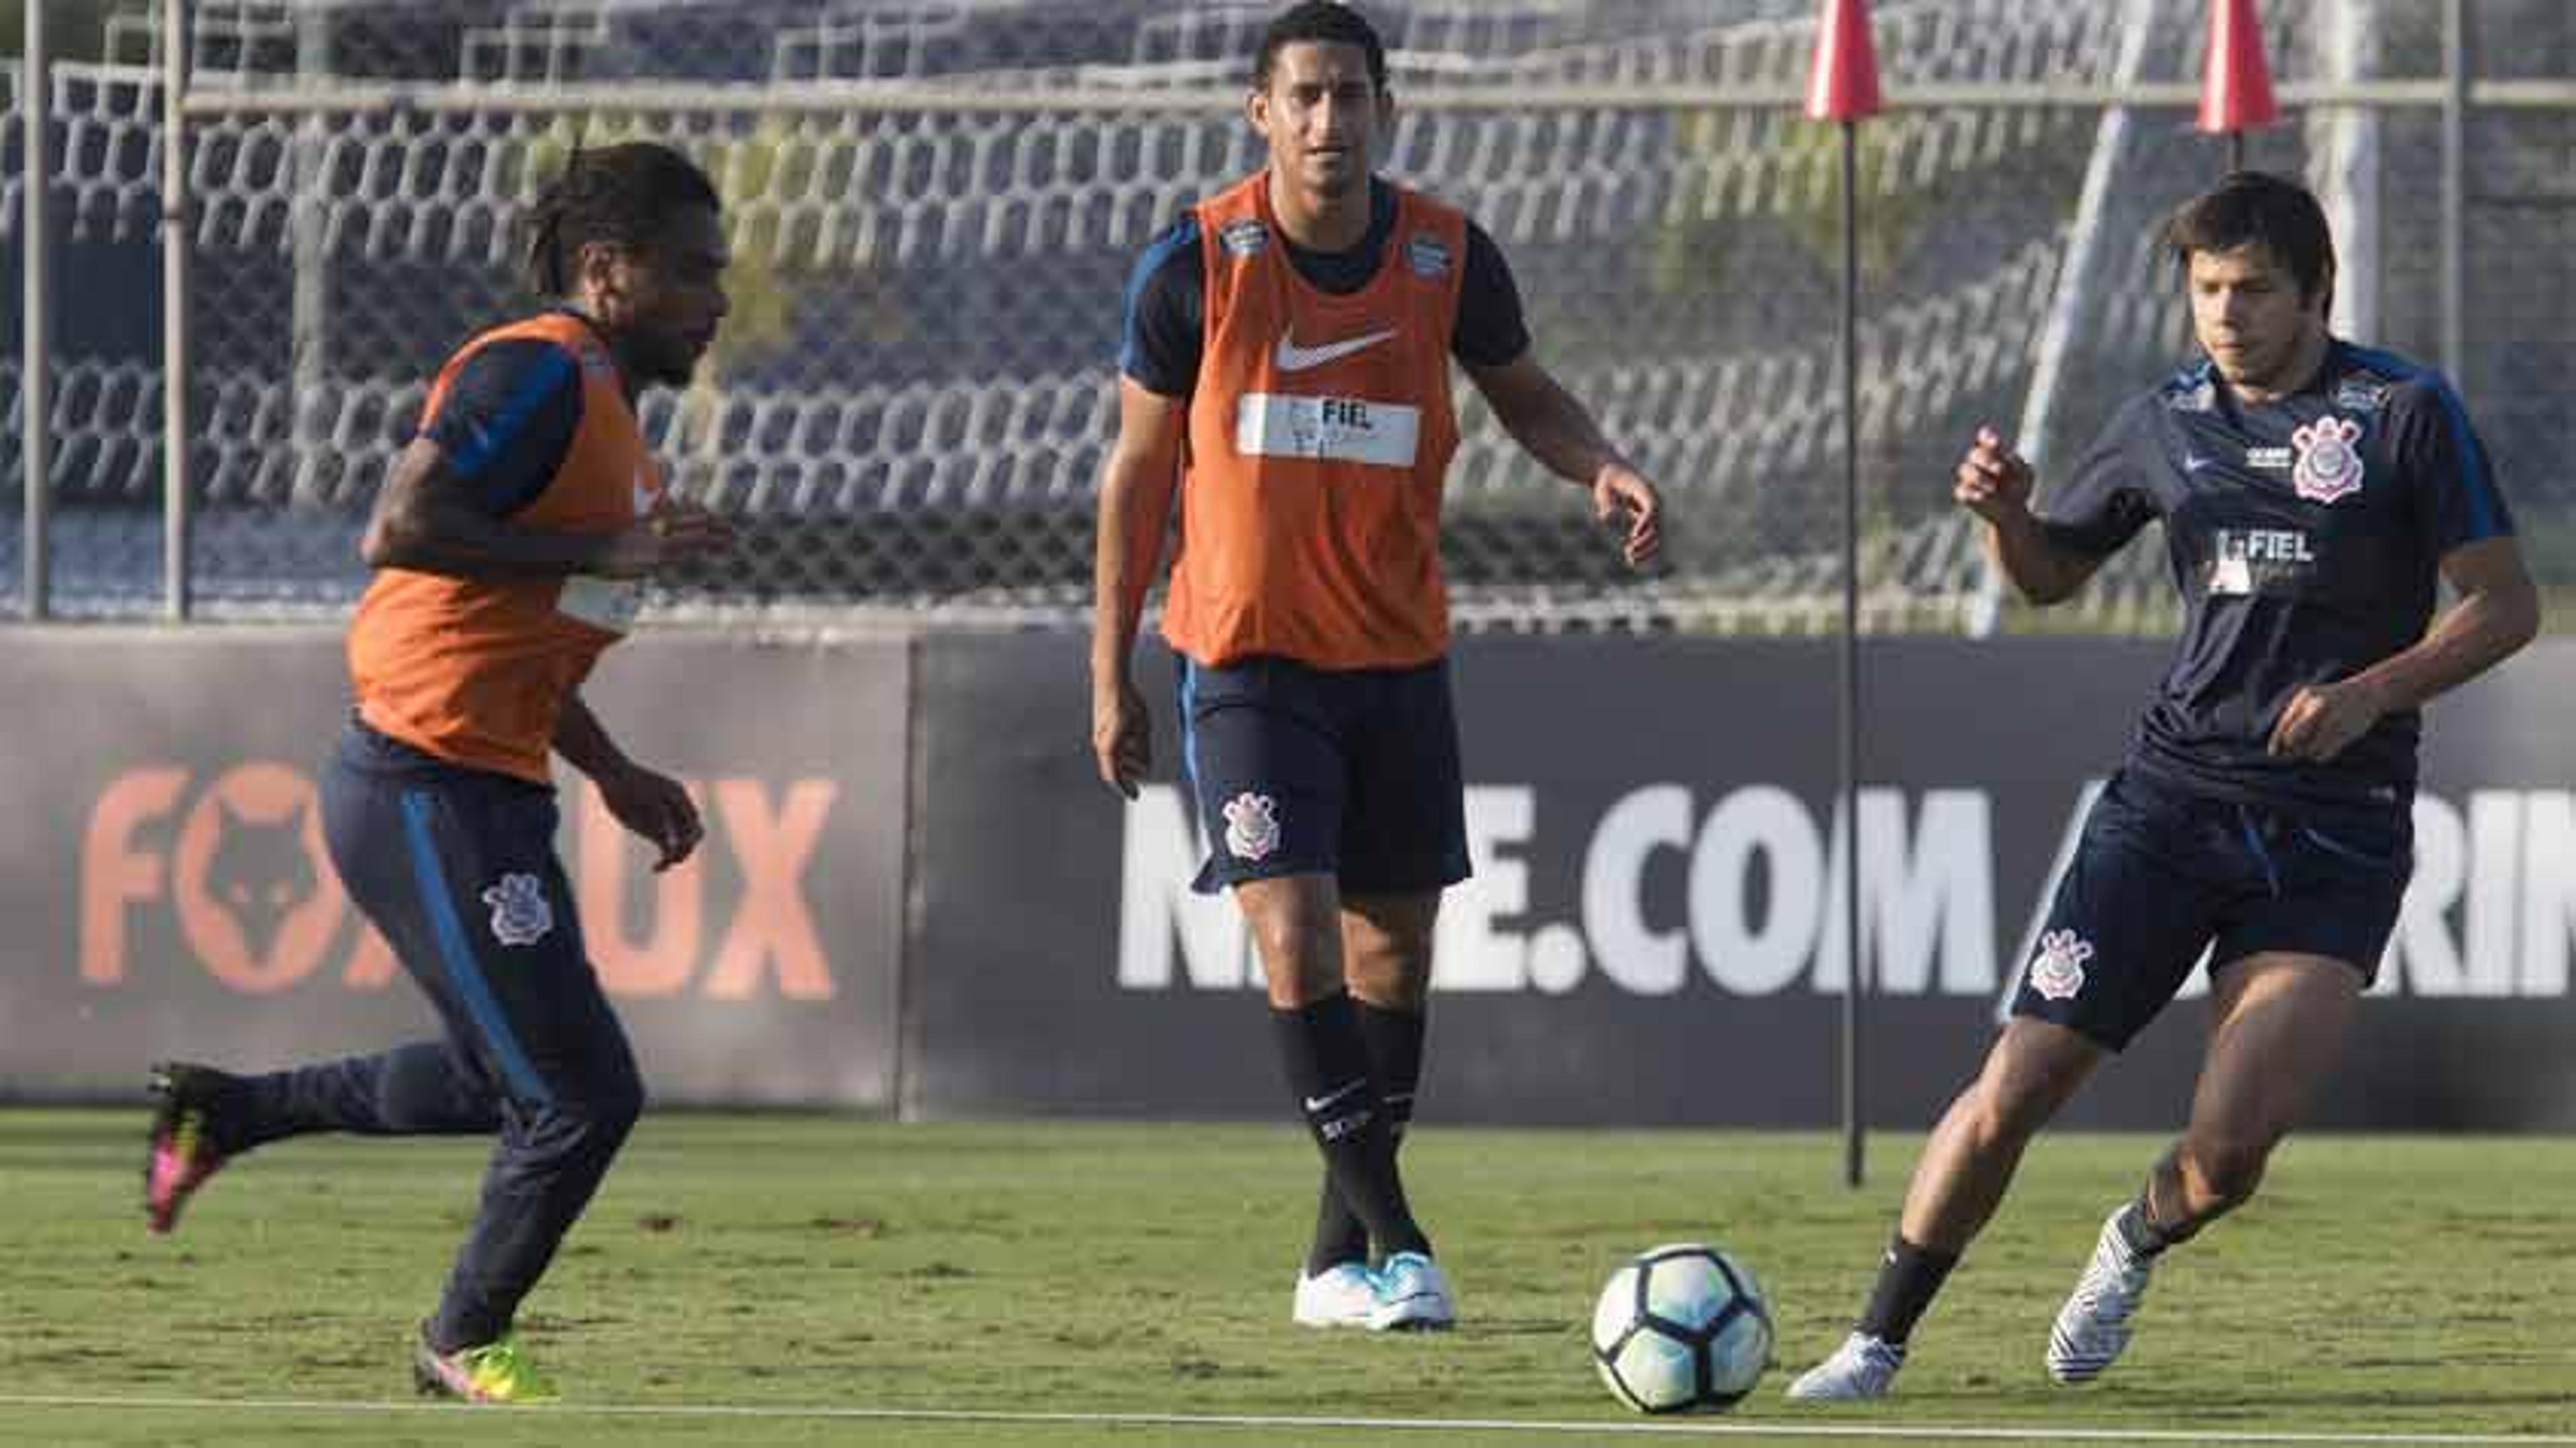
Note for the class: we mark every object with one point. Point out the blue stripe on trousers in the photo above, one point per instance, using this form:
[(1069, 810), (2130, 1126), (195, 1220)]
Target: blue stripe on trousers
[(458, 957)]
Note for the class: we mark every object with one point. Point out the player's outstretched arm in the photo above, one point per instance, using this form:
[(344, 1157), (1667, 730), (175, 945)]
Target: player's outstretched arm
[(426, 520), (2497, 613), (1995, 483), (652, 805), (1136, 489), (1559, 431)]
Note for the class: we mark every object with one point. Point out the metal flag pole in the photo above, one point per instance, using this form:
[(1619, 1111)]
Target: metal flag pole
[(174, 309), (1844, 89), (1856, 975), (35, 390)]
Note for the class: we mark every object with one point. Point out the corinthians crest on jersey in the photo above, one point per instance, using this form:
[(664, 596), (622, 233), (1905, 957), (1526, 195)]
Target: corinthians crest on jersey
[(2329, 465)]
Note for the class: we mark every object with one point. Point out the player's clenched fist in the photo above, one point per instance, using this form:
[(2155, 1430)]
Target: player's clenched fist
[(1993, 480)]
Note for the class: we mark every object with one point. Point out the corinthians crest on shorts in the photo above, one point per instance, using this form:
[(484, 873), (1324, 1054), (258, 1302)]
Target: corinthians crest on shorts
[(2329, 463), (1251, 826), (2057, 972)]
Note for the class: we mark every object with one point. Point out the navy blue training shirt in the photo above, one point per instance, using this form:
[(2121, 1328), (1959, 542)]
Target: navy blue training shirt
[(1165, 329), (2305, 535), (508, 420)]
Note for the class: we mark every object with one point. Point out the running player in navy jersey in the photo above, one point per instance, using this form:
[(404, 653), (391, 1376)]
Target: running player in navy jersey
[(2313, 494)]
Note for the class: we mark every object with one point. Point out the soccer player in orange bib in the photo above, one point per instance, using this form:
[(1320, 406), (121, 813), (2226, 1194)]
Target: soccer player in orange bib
[(1285, 368), (511, 543)]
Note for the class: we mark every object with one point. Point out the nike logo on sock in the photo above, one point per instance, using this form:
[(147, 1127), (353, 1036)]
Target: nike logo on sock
[(1292, 358), (1319, 1103)]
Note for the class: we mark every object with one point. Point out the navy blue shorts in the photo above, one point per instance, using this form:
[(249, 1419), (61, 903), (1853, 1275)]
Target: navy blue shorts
[(457, 868), (2162, 873), (1351, 773)]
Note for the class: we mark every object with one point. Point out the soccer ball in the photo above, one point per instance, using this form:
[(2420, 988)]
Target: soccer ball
[(1681, 1327)]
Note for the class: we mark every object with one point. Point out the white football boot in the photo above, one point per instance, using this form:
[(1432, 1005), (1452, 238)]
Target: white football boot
[(1863, 1367), (2093, 1326), (1342, 1295)]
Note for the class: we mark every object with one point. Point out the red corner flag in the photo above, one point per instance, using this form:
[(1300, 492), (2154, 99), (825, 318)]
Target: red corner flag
[(2236, 88), (1844, 86)]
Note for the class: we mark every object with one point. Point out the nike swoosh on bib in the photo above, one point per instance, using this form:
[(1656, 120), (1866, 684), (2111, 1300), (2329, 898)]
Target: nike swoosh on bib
[(1292, 358)]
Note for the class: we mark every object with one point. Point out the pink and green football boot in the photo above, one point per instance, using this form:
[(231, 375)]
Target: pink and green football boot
[(183, 1153)]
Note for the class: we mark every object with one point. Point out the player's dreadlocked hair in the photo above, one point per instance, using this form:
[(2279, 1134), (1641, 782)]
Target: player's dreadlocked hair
[(1327, 21), (2256, 207), (622, 194)]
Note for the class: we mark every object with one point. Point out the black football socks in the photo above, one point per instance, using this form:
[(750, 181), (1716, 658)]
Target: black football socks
[(1394, 1040), (1327, 1064), (1909, 1277)]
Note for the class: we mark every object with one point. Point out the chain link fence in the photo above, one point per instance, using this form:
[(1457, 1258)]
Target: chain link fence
[(935, 206)]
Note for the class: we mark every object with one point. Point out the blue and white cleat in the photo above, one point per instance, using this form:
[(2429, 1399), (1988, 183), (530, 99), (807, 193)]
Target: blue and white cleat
[(1412, 1296), (1341, 1295)]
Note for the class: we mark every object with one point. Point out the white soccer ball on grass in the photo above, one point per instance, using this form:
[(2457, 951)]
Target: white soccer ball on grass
[(1679, 1328)]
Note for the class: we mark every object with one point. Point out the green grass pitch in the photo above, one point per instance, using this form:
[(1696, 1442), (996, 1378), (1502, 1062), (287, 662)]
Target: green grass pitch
[(2380, 1285)]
